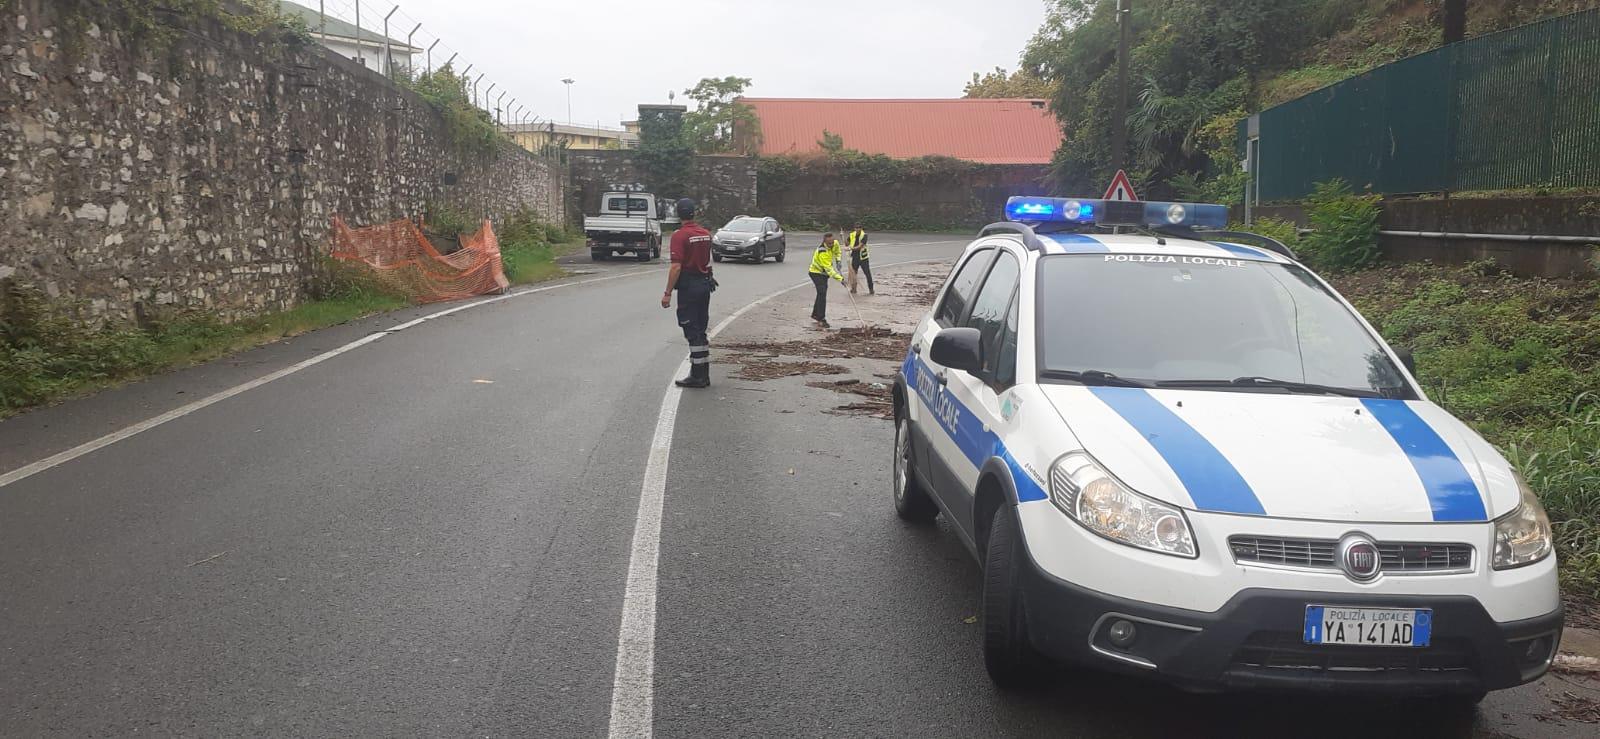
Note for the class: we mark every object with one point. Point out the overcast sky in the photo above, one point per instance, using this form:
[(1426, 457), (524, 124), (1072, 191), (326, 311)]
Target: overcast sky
[(624, 52)]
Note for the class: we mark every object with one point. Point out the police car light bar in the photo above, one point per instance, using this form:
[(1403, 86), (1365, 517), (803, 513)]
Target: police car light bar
[(1082, 211)]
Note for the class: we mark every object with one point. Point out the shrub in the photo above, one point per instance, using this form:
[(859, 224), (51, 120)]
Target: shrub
[(1344, 228), (1278, 229)]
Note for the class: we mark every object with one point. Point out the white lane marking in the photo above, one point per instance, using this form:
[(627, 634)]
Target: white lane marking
[(55, 460), (633, 680)]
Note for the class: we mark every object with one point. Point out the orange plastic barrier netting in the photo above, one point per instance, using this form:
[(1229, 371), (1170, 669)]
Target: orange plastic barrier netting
[(401, 256)]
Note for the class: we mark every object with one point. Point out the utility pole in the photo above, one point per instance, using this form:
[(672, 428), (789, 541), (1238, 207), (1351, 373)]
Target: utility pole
[(1119, 119), (568, 82), (1454, 20)]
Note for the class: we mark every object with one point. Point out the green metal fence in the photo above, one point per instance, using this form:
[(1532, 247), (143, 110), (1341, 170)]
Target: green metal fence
[(1519, 108)]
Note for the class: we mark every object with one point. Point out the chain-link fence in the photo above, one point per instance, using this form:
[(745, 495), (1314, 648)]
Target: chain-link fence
[(1515, 109)]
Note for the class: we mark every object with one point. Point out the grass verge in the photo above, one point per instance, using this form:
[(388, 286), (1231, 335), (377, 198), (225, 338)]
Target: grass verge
[(528, 248), (1519, 359), (47, 354)]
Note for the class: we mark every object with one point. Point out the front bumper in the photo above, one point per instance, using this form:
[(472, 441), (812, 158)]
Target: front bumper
[(1254, 641), (737, 251)]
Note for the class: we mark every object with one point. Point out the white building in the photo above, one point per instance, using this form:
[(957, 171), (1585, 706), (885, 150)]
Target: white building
[(365, 45)]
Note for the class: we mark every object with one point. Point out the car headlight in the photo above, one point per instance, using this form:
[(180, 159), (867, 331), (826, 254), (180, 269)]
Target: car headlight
[(752, 239), (1088, 494), (1522, 536)]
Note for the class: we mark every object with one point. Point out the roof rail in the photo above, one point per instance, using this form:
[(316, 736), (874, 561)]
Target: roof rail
[(1029, 238), (1255, 239)]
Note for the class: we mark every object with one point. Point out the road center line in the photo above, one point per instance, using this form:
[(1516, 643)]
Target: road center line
[(633, 681), (55, 460)]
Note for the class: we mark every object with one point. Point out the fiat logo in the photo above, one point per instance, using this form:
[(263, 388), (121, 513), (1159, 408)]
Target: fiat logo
[(1358, 557)]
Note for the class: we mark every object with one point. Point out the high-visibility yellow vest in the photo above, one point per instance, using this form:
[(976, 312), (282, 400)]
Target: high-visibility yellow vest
[(858, 242), (822, 261)]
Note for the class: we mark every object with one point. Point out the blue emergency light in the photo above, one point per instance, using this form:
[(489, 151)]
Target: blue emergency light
[(1081, 211)]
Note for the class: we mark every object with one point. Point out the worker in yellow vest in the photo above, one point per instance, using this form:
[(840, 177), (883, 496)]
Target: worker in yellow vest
[(858, 258), (822, 268)]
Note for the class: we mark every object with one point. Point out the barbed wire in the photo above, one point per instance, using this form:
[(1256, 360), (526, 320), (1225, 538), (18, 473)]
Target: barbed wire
[(411, 48)]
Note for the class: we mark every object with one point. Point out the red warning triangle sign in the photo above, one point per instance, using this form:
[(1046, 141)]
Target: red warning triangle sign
[(1120, 189)]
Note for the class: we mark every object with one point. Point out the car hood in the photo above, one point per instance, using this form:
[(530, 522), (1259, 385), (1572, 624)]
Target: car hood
[(735, 235), (1291, 456)]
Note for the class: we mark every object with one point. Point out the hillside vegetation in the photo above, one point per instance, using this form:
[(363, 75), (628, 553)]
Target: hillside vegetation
[(1197, 67)]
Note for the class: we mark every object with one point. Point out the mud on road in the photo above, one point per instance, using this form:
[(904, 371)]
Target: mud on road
[(870, 341)]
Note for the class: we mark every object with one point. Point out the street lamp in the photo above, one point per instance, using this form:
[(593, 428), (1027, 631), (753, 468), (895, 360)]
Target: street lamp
[(568, 82)]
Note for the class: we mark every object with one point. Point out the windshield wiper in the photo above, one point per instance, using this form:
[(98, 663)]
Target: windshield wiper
[(1093, 377), (1268, 382)]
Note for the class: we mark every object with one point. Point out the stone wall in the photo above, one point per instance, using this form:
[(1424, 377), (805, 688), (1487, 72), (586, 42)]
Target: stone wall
[(724, 186), (205, 174), (968, 201)]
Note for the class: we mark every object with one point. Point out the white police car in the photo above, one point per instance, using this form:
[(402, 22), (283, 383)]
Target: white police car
[(1191, 458)]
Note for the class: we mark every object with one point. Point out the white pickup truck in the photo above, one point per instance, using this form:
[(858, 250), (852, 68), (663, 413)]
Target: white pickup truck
[(628, 223)]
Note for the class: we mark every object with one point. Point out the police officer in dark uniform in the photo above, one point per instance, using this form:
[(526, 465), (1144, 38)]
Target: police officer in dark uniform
[(690, 275)]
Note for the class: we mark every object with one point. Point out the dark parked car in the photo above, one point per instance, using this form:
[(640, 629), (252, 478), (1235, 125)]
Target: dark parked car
[(750, 237)]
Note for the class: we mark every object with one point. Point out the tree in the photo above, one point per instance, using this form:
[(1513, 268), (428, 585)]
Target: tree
[(1018, 84), (831, 142), (719, 124), (664, 153)]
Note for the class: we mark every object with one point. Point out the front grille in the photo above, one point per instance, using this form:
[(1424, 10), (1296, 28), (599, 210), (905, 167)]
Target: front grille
[(1424, 557), (1282, 650), (1397, 557), (1279, 551)]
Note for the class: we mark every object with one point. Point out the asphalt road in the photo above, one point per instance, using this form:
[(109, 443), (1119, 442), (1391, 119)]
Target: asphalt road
[(429, 535)]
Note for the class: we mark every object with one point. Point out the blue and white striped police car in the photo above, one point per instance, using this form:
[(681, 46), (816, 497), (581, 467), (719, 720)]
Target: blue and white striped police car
[(1180, 455)]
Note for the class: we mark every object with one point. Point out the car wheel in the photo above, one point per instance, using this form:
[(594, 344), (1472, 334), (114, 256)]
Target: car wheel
[(1009, 658), (783, 251), (599, 255), (643, 255), (911, 502), (716, 257), (761, 254)]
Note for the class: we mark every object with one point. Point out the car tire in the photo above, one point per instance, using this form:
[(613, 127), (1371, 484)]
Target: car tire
[(599, 255), (643, 255), (715, 257), (1007, 654), (783, 251), (911, 501), (760, 255)]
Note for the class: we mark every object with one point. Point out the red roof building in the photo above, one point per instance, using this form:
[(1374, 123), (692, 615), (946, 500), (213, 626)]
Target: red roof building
[(986, 130)]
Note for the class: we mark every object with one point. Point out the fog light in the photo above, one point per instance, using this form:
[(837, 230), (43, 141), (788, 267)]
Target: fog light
[(1122, 633), (1536, 651)]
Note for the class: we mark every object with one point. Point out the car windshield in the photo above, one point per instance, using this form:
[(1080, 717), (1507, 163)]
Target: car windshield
[(1209, 323), (744, 225)]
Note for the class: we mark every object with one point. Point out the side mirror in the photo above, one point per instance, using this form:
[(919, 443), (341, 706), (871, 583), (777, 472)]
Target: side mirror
[(958, 348), (1408, 360)]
